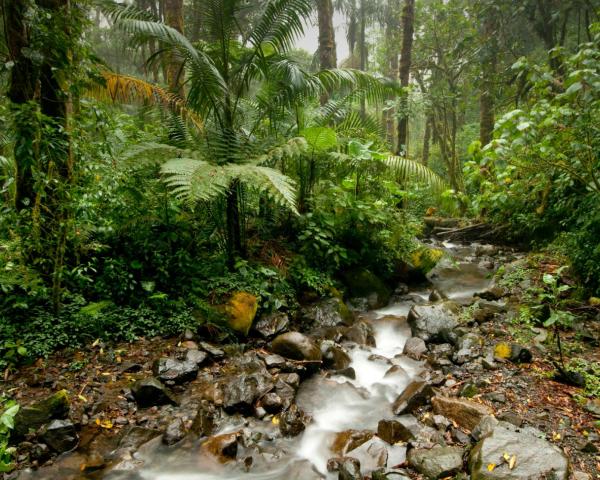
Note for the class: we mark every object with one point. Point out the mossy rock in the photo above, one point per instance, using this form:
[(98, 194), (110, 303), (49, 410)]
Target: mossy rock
[(363, 283), (424, 259), (31, 418), (241, 311)]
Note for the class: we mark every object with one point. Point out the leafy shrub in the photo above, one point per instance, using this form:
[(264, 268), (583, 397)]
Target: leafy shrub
[(8, 410)]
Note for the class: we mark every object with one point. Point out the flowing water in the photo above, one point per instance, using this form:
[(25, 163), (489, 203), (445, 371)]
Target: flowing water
[(337, 403), (334, 402)]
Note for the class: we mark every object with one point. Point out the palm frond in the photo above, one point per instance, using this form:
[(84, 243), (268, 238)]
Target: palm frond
[(405, 169), (148, 153), (125, 89)]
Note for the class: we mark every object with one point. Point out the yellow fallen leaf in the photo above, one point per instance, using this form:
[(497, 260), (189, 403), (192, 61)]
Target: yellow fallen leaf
[(82, 398), (96, 342), (513, 462), (275, 420), (506, 456), (555, 436), (502, 350), (491, 467), (104, 423)]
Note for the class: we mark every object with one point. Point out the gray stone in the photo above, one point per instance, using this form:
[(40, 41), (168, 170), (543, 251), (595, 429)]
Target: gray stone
[(213, 351), (432, 323), (465, 413), (32, 417), (177, 371), (272, 324), (174, 433), (415, 395), (150, 391), (240, 391), (360, 333), (436, 462), (535, 457), (469, 347), (329, 312), (293, 421), (60, 435), (414, 348), (334, 356), (196, 357)]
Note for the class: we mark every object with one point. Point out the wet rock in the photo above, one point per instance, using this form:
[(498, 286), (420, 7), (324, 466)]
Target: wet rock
[(135, 436), (393, 431), (223, 447), (272, 324), (535, 457), (39, 452), (292, 379), (484, 428), (437, 462), (465, 413), (437, 296), (195, 356), (60, 435), (363, 283), (150, 391), (349, 440), (205, 421), (325, 313), (360, 333), (176, 371), (334, 356), (32, 417), (460, 437), (415, 395), (241, 310), (292, 421), (349, 469), (414, 348), (593, 406), (373, 455), (397, 375), (239, 392), (493, 293), (440, 354), (347, 372), (469, 348), (212, 350), (285, 391), (174, 433), (296, 346), (271, 402), (432, 323)]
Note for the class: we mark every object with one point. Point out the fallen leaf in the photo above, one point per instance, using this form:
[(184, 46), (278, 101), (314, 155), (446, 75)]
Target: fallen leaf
[(512, 462), (506, 456), (82, 398), (491, 467), (275, 420), (104, 423)]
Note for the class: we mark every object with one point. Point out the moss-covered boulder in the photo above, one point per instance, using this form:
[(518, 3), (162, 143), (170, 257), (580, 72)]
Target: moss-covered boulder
[(425, 258), (32, 417), (241, 310), (363, 283)]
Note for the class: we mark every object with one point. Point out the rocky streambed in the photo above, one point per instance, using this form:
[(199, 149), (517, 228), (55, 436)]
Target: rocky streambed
[(398, 392)]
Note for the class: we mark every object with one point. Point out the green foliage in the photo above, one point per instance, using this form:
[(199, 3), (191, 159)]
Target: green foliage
[(8, 410), (591, 372)]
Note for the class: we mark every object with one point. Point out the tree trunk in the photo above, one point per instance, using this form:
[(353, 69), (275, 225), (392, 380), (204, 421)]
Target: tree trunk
[(488, 73), (392, 35), (327, 50), (363, 50), (426, 141), (174, 19), (408, 18), (235, 246), (23, 80)]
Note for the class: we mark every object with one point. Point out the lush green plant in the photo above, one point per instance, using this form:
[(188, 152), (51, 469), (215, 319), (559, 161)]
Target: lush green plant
[(8, 410)]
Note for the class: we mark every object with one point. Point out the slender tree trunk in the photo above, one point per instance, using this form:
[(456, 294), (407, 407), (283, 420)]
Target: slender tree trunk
[(235, 246), (21, 91), (363, 50), (488, 73), (352, 30), (392, 35), (426, 141), (408, 18), (174, 18)]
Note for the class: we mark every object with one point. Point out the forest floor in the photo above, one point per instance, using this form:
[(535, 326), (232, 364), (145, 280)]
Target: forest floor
[(98, 378)]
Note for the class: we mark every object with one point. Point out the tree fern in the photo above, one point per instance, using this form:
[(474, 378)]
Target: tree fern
[(405, 169)]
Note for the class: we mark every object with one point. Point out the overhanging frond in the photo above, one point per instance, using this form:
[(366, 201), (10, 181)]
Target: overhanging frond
[(405, 169)]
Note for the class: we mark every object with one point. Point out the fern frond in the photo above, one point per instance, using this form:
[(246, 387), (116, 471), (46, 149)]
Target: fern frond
[(193, 180), (149, 153), (405, 169)]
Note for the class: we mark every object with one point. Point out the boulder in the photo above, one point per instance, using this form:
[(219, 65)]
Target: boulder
[(393, 431), (495, 292), (465, 413), (174, 433), (534, 457), (363, 283), (176, 371), (240, 391), (60, 435), (296, 346), (150, 391), (437, 296), (241, 310), (272, 324), (271, 402), (375, 454), (292, 421), (469, 348), (425, 258), (329, 312), (212, 350), (223, 447), (432, 323), (349, 440), (32, 417), (437, 462), (195, 356), (414, 348), (334, 356), (205, 421), (349, 469), (360, 333), (134, 437), (415, 395)]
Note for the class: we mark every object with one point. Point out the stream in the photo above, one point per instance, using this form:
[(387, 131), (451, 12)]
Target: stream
[(335, 403)]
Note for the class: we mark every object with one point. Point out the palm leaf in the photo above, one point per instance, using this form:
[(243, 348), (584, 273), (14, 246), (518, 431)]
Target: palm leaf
[(405, 169)]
